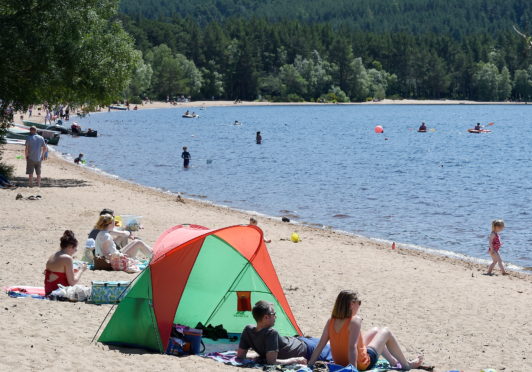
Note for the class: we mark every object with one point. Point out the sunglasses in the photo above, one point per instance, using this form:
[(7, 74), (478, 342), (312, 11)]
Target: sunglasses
[(272, 313)]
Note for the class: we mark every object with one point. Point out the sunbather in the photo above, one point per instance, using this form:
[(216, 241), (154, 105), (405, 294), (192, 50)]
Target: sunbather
[(271, 346), (60, 266), (120, 237), (106, 247), (348, 344)]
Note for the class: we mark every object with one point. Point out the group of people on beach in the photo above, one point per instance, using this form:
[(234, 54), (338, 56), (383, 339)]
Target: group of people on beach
[(111, 248), (341, 342), (51, 114)]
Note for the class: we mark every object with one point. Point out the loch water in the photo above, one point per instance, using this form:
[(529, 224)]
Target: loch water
[(325, 165)]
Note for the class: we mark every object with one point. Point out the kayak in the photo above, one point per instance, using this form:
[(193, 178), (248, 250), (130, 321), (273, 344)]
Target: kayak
[(479, 131), (118, 107), (190, 116), (422, 131)]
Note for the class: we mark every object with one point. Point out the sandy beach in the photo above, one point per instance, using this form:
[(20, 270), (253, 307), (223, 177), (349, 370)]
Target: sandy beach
[(440, 307)]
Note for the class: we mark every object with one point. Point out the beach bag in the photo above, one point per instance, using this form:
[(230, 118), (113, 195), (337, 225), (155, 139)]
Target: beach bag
[(185, 341), (75, 293), (108, 292), (214, 333), (100, 263), (120, 262)]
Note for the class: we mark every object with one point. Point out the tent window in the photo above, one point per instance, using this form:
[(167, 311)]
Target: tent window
[(243, 300)]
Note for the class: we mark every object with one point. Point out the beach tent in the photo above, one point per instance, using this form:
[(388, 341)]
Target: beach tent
[(199, 275)]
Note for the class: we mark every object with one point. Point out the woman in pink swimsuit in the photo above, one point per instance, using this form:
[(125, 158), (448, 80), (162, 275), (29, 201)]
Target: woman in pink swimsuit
[(60, 266)]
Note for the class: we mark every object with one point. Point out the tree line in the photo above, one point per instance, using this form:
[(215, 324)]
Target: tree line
[(70, 51), (456, 18), (293, 60)]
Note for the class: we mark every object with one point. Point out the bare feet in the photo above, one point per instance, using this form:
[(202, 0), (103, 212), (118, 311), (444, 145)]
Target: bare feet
[(415, 363)]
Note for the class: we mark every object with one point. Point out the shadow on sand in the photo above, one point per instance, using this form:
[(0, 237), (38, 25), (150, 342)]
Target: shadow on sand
[(129, 350), (49, 182)]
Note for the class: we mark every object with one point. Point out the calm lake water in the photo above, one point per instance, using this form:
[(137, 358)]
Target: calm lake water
[(325, 165)]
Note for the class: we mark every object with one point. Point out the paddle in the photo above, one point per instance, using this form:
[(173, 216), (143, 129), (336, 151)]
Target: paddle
[(490, 124)]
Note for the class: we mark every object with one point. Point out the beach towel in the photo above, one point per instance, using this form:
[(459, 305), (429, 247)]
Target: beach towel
[(73, 293), (229, 358), (21, 291), (141, 265)]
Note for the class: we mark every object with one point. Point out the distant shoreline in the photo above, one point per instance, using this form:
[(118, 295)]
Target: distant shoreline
[(160, 104), (193, 104)]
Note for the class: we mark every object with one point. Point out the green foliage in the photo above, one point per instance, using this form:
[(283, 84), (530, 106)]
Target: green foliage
[(522, 85), (334, 95), (504, 85), (490, 84), (63, 51), (172, 73), (141, 81)]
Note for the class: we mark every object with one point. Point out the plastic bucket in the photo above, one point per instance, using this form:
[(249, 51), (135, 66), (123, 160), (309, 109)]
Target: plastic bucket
[(193, 336)]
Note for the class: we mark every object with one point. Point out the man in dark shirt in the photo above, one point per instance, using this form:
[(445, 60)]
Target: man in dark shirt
[(186, 157), (271, 346)]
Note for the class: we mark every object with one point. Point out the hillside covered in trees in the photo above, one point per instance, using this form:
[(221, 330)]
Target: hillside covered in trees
[(343, 50)]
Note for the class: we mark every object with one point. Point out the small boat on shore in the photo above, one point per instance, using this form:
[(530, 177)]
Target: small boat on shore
[(56, 127), (118, 107), (21, 132), (28, 123), (479, 131)]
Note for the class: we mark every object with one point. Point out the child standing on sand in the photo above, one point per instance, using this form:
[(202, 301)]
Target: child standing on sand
[(495, 244)]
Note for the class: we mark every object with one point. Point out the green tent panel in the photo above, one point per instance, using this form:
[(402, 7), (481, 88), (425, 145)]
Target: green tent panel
[(133, 322), (218, 274)]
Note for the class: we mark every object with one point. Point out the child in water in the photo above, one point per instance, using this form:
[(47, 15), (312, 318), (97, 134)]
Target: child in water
[(186, 157), (494, 245)]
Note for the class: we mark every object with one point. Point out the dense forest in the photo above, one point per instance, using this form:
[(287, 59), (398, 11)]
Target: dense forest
[(331, 51)]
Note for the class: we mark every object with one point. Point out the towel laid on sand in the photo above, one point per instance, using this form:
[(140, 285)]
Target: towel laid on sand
[(229, 358), (25, 291)]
